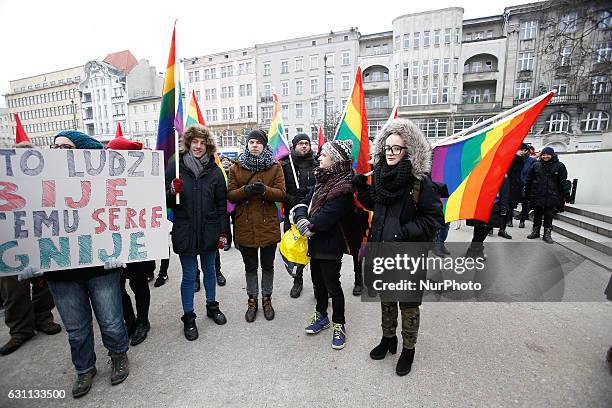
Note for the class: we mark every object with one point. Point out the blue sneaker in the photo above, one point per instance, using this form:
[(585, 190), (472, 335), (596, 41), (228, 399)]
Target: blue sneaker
[(339, 337), (318, 322)]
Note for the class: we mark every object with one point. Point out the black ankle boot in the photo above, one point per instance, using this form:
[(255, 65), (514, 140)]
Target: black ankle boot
[(212, 311), (296, 290), (221, 279), (190, 329), (404, 363), (535, 233), (386, 344), (546, 237)]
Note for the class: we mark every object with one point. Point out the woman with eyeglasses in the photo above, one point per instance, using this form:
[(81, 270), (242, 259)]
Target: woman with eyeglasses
[(407, 208)]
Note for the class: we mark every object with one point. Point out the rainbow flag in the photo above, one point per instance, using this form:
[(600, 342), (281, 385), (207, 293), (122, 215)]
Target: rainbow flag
[(276, 135), (178, 118), (166, 132), (194, 114), (354, 126), (473, 166)]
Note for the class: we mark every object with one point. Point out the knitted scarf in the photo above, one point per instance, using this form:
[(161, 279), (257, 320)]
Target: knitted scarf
[(257, 163), (196, 165), (331, 182), (390, 183)]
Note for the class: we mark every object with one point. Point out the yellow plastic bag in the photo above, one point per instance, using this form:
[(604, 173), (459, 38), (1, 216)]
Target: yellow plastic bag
[(294, 251)]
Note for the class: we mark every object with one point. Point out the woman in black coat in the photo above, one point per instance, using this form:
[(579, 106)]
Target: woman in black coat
[(200, 224), (407, 208), (546, 188), (323, 217)]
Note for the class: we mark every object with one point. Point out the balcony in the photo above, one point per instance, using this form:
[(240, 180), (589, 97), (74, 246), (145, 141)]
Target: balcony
[(480, 76), (516, 102), (559, 99), (378, 112), (603, 97), (116, 97), (525, 74), (266, 99), (480, 106), (119, 116), (375, 85)]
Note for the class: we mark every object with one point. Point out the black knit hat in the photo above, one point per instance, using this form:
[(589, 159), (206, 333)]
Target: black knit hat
[(299, 137), (258, 134), (524, 146), (548, 150)]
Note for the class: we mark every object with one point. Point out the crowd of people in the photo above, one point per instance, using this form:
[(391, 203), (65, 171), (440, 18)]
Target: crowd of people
[(319, 193)]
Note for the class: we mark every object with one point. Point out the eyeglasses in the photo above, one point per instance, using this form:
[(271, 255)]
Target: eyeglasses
[(61, 146), (395, 149)]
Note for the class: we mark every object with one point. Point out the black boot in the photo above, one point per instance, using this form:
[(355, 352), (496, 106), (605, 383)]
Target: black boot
[(476, 250), (121, 368), (386, 344), (198, 285), (82, 385), (220, 279), (547, 238), (251, 312), (296, 289), (190, 329), (140, 333), (161, 279), (404, 363), (266, 304), (502, 233), (212, 311), (535, 233), (521, 224)]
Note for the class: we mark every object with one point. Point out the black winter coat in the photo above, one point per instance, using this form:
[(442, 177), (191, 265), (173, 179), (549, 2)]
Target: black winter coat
[(501, 206), (330, 225), (201, 217), (402, 221), (515, 183), (545, 183), (304, 171)]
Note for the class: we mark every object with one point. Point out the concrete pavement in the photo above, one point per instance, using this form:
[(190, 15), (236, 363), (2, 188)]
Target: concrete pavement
[(468, 354)]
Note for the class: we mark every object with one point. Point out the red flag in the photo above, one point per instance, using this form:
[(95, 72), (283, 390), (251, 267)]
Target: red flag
[(20, 134), (118, 132), (321, 140)]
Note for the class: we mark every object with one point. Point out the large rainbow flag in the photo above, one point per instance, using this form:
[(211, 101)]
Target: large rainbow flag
[(276, 135), (473, 166), (354, 126), (166, 132)]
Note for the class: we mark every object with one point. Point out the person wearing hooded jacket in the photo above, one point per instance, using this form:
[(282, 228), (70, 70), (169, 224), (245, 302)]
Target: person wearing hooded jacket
[(402, 158), (255, 184), (546, 188), (200, 223), (304, 164), (323, 217)]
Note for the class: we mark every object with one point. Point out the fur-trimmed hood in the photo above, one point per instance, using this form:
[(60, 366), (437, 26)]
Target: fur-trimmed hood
[(419, 150)]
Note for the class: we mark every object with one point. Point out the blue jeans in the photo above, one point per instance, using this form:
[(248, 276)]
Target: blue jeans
[(189, 264), (442, 235), (74, 301)]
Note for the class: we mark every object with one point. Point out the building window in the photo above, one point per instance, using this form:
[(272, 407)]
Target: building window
[(249, 90), (447, 36), (457, 35), (242, 90), (314, 61), (567, 24), (604, 52), (406, 41), (558, 122), (299, 87), (426, 39), (314, 86), (435, 67), (299, 64), (600, 85), (346, 58), (224, 72), (436, 37), (330, 60), (267, 90), (329, 108), (250, 111), (206, 74), (284, 67), (329, 84), (346, 82), (522, 90), (285, 89), (415, 69), (314, 109), (231, 113), (446, 66), (434, 95), (596, 121), (425, 68), (299, 110), (605, 19), (416, 43), (526, 61), (266, 112), (433, 127), (529, 30), (398, 42), (560, 85), (266, 69), (565, 54), (243, 112)]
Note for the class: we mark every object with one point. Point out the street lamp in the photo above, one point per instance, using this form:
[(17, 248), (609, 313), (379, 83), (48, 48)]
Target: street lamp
[(73, 114), (325, 93)]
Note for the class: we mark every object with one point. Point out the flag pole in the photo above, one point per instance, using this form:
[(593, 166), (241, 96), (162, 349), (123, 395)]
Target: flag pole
[(177, 68), (282, 135)]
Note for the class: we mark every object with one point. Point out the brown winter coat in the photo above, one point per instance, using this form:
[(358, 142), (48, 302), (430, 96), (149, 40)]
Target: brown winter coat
[(256, 222)]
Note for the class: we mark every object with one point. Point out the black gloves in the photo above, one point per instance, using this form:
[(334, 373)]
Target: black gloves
[(255, 188)]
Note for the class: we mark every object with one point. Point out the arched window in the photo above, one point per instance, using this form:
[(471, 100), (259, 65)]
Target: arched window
[(558, 122), (596, 121)]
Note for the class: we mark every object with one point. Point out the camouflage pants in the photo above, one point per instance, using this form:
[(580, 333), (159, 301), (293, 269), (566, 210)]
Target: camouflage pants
[(410, 322)]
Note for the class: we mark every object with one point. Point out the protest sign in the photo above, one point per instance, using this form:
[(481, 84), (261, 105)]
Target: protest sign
[(69, 209)]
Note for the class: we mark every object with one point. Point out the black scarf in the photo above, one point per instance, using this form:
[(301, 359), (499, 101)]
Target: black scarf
[(257, 163), (331, 182), (390, 183)]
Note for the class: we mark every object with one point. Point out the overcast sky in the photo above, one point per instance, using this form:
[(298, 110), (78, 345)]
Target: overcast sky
[(38, 37)]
